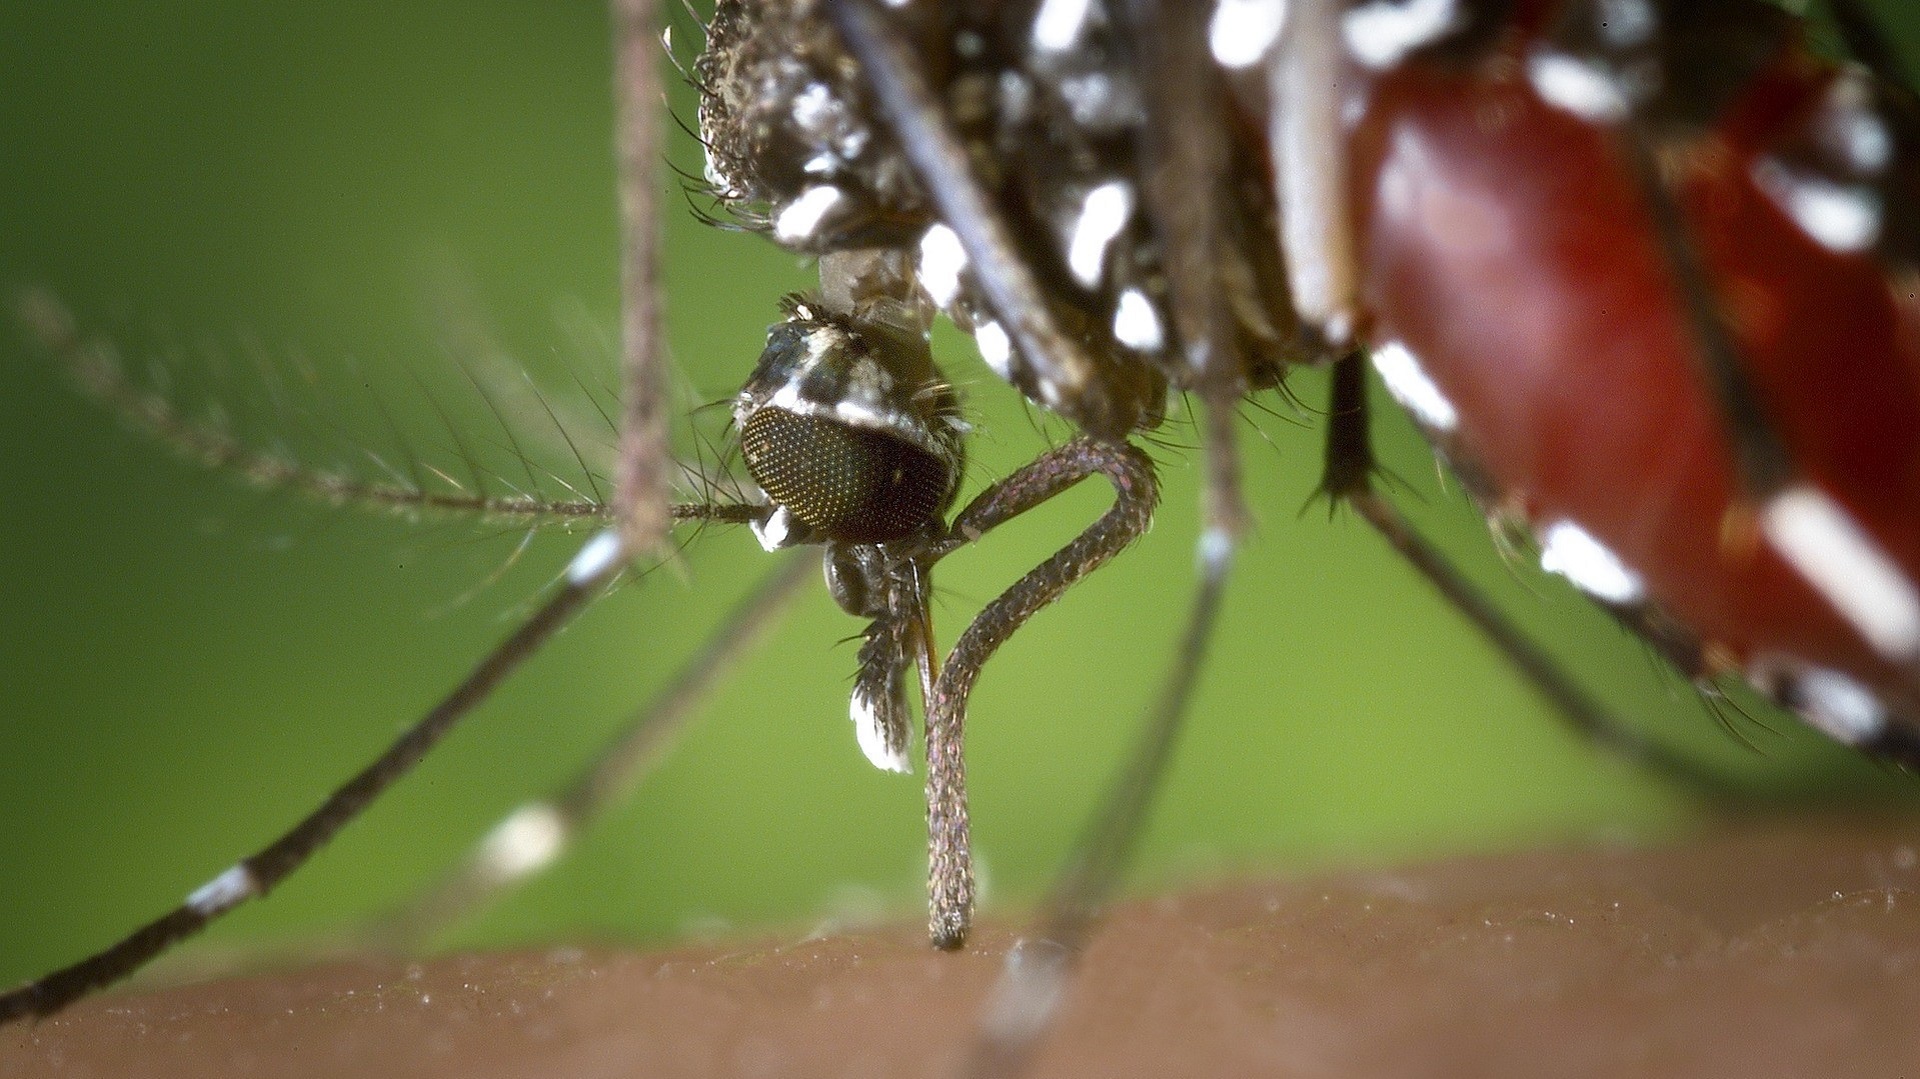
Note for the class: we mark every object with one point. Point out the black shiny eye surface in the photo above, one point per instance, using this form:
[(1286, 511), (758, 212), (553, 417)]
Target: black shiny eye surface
[(849, 484)]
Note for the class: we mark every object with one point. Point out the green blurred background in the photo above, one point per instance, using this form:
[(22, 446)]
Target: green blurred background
[(350, 194)]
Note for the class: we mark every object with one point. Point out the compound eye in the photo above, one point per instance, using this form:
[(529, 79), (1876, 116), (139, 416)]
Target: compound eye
[(847, 424), (850, 484)]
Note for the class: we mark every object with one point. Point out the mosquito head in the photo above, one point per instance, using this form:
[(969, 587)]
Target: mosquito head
[(849, 427)]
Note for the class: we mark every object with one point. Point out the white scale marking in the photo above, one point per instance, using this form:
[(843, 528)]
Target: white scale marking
[(821, 342), (803, 215), (1574, 553), (1058, 24), (595, 558), (941, 261), (862, 414), (1578, 88), (1016, 97), (1214, 552), (773, 532), (995, 348), (1840, 217), (788, 395), (527, 841), (1102, 215), (1092, 100), (224, 892), (721, 182), (1416, 391), (1837, 556), (1869, 145), (813, 107), (1136, 324), (1242, 31), (873, 735), (1840, 707), (1859, 133), (1382, 33)]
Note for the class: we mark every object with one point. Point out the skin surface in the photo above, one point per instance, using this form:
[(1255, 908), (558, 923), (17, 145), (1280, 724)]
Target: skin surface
[(1776, 947)]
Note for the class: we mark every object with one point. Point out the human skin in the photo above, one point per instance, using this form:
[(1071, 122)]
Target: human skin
[(1766, 946)]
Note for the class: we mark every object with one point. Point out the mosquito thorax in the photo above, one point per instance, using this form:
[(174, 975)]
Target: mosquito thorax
[(849, 428), (798, 148), (793, 143)]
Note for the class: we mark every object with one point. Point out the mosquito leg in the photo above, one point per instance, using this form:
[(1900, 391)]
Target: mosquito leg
[(1868, 43), (1007, 282), (1348, 480), (1185, 173), (950, 873), (1020, 1009), (643, 513), (1303, 80), (1189, 191), (1186, 169), (591, 571), (1763, 463), (645, 467), (536, 833)]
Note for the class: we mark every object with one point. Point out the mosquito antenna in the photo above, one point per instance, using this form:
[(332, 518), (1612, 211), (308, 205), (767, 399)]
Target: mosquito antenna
[(475, 470), (643, 516), (288, 420), (694, 13), (573, 447), (93, 366), (590, 394), (642, 483), (521, 408)]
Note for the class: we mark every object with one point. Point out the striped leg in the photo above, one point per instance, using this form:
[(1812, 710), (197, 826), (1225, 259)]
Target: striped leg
[(643, 517)]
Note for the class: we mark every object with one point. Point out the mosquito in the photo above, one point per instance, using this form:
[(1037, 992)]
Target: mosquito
[(465, 626), (594, 567)]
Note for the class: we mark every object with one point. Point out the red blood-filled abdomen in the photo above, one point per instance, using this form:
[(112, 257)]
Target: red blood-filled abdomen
[(1507, 247)]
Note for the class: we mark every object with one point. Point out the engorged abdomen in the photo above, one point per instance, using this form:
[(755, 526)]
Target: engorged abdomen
[(1508, 251)]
